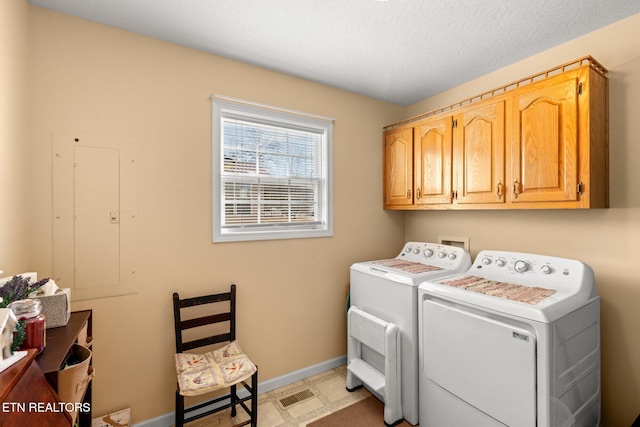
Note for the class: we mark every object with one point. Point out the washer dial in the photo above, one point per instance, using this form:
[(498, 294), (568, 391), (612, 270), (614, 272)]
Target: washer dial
[(521, 266)]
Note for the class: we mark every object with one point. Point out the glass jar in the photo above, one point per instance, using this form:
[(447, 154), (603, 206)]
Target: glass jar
[(29, 311)]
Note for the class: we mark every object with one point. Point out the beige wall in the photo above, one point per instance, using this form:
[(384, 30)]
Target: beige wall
[(608, 240), (14, 234), (92, 79)]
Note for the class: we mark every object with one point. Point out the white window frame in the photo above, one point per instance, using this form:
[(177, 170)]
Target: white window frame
[(223, 108)]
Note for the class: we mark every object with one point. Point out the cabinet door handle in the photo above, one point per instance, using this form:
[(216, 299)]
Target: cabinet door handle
[(516, 188), (418, 194), (499, 190), (408, 193)]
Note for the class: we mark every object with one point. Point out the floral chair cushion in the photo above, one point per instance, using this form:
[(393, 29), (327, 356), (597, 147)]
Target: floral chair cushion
[(202, 373)]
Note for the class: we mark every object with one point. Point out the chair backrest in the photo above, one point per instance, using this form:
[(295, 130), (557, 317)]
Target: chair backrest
[(182, 305)]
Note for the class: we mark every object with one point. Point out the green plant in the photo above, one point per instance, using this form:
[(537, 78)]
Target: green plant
[(18, 336)]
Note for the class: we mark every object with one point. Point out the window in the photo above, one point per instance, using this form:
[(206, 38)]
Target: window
[(271, 172)]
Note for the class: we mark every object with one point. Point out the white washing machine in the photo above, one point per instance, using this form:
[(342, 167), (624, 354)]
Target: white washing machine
[(388, 289), (515, 342)]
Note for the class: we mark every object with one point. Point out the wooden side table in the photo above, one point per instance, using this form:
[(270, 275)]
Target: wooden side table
[(25, 394), (28, 394), (59, 343)]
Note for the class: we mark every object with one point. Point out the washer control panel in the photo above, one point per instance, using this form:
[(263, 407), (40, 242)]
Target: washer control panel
[(435, 254), (538, 270)]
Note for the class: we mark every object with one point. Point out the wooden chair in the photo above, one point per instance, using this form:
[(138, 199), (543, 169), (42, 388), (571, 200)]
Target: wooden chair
[(200, 373)]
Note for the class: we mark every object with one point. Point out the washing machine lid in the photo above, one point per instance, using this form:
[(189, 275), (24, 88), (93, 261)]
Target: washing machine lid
[(417, 262), (534, 287)]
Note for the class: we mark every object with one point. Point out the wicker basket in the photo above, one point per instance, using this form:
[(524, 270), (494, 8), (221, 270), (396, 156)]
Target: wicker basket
[(74, 379)]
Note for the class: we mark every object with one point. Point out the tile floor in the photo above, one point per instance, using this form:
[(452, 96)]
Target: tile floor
[(329, 395)]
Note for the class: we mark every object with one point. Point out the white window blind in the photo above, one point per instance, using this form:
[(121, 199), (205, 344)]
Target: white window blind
[(271, 172)]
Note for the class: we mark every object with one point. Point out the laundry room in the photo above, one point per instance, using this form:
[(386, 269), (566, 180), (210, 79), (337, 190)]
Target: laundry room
[(65, 79)]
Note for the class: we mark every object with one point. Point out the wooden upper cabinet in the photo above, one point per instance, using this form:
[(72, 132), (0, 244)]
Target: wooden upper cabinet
[(479, 144), (539, 143), (398, 165), (559, 142), (432, 161), (544, 146)]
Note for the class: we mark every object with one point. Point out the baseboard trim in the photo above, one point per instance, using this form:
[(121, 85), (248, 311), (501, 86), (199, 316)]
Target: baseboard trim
[(263, 387)]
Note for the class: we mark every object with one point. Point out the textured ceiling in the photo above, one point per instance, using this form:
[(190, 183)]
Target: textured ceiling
[(399, 51)]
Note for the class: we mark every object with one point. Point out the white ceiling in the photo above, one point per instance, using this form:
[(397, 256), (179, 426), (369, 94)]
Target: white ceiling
[(399, 51)]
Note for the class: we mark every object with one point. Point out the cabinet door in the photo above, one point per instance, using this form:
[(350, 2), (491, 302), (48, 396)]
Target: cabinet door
[(479, 144), (398, 165), (432, 161), (544, 156)]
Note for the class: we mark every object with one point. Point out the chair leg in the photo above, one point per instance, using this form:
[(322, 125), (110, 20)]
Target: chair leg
[(179, 410), (234, 398), (254, 399)]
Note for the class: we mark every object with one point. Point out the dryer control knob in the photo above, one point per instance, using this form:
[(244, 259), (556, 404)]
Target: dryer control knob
[(442, 254), (416, 251), (500, 263), (521, 266), (407, 249), (546, 269), (452, 256), (486, 261), (428, 252)]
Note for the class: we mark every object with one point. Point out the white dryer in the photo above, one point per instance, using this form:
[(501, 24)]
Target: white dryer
[(515, 342), (388, 289)]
